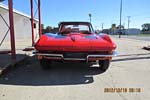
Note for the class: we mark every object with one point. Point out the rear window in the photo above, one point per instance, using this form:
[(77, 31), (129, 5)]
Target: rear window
[(75, 28)]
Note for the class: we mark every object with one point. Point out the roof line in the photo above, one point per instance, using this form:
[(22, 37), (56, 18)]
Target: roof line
[(3, 6)]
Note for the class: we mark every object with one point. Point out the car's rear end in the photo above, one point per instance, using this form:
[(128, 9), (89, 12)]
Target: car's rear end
[(75, 46)]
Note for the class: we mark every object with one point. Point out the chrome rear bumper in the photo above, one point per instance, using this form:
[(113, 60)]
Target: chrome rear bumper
[(61, 57)]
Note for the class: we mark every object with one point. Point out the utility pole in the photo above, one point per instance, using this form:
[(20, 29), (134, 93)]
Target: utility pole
[(129, 21), (102, 26), (90, 15), (120, 19)]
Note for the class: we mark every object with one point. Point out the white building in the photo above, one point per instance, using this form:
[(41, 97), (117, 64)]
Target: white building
[(130, 31), (22, 28), (133, 31)]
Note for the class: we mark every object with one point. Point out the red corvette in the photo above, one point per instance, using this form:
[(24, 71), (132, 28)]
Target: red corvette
[(75, 41)]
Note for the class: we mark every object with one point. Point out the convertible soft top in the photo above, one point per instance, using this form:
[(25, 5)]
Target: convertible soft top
[(74, 22)]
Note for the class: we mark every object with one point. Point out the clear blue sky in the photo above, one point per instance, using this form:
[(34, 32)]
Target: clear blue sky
[(103, 11)]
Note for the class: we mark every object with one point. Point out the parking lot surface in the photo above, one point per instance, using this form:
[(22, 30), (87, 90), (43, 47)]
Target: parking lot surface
[(126, 79)]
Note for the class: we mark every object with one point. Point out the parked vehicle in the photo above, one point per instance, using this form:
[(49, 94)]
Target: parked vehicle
[(75, 41)]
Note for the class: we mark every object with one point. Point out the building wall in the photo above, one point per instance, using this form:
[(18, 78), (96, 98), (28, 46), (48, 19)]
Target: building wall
[(22, 28), (131, 31)]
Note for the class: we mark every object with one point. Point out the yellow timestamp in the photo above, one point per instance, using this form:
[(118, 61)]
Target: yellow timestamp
[(122, 90)]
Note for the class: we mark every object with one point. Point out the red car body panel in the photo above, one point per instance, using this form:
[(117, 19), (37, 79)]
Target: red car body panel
[(75, 43)]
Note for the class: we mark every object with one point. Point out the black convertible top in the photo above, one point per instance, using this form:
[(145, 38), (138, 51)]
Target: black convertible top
[(74, 22)]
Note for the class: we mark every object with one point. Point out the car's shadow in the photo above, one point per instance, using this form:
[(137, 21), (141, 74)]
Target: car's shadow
[(31, 74)]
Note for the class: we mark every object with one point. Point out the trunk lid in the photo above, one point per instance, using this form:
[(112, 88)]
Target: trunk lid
[(73, 42)]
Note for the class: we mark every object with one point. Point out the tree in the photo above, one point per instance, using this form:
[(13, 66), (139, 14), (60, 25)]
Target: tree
[(118, 27), (43, 30), (146, 27), (113, 26), (48, 29)]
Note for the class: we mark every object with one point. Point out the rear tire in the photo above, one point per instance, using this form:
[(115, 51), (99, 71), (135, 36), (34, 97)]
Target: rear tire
[(104, 64), (45, 64)]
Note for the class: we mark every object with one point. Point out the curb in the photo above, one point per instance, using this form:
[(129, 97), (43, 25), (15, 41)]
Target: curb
[(10, 66)]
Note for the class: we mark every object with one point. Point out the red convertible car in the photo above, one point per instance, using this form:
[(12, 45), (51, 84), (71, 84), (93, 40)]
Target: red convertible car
[(75, 41)]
